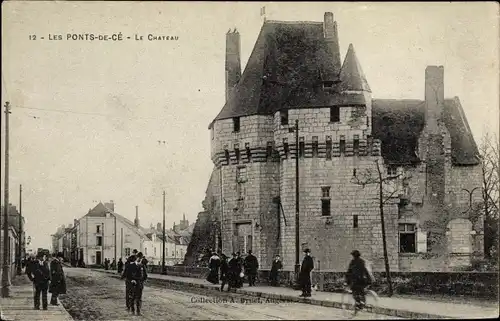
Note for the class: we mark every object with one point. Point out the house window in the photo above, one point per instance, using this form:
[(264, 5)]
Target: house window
[(241, 174), (237, 153), (155, 250), (334, 114), (315, 146), (269, 150), (212, 132), (127, 251), (325, 201), (99, 241), (329, 148), (284, 117), (342, 145), (226, 154), (392, 170), (286, 148), (92, 258), (407, 238), (236, 124), (356, 145), (249, 153), (355, 221), (98, 229), (145, 251), (302, 147), (173, 254)]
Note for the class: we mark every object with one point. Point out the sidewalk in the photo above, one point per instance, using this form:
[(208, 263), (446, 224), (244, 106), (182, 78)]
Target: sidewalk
[(19, 306), (400, 307)]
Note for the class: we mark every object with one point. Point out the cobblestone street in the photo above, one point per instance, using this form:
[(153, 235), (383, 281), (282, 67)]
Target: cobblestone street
[(96, 296)]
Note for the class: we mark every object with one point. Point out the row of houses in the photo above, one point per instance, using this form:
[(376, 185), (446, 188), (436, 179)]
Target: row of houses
[(17, 240), (104, 234)]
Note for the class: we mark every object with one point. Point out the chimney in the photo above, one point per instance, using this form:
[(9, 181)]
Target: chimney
[(434, 97), (110, 205), (332, 41), (159, 227), (136, 221), (233, 60), (75, 222)]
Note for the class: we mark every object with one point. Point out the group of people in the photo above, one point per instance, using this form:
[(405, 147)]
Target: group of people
[(135, 274), (109, 264), (233, 271), (46, 277)]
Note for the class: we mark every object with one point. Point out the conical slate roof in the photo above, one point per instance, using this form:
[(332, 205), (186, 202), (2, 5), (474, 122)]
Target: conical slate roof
[(351, 75)]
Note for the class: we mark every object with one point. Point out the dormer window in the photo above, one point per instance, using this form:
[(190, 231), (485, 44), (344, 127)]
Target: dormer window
[(284, 117), (236, 124)]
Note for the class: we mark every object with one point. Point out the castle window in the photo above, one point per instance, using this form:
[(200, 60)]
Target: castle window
[(329, 148), (355, 221), (302, 147), (249, 153), (241, 174), (269, 150), (354, 172), (237, 153), (334, 114), (286, 148), (98, 229), (325, 201), (392, 170), (145, 251), (315, 146), (356, 145), (407, 238), (284, 117), (226, 154), (236, 124), (98, 241), (342, 145)]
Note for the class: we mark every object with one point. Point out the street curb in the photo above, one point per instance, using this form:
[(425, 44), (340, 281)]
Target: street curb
[(296, 299)]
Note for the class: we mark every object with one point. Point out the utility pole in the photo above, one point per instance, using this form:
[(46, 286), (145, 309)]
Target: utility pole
[(19, 253), (297, 222), (163, 270), (6, 243)]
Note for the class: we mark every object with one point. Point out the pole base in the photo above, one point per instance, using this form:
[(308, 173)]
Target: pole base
[(296, 284)]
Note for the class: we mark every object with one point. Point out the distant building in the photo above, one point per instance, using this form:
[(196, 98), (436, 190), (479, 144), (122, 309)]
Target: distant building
[(102, 233), (16, 236)]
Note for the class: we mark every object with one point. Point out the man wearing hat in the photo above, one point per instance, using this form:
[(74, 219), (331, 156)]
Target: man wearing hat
[(358, 277), (305, 273), (57, 279)]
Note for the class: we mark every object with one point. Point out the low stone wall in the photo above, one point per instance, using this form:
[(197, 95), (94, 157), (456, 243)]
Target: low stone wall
[(477, 284)]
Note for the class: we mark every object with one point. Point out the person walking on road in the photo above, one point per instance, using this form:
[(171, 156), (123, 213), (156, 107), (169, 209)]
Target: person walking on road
[(139, 275), (275, 271), (234, 272), (213, 265), (305, 274), (39, 274), (251, 266), (127, 276), (57, 279), (224, 272), (358, 277), (120, 266)]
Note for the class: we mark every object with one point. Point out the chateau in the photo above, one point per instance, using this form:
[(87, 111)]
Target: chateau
[(424, 149)]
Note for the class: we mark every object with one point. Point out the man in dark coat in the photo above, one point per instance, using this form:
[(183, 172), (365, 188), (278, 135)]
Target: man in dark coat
[(127, 276), (57, 279), (113, 264), (305, 273), (214, 265), (275, 271), (224, 272), (241, 274), (251, 266), (106, 264), (39, 274), (138, 276), (234, 266), (358, 278), (120, 266)]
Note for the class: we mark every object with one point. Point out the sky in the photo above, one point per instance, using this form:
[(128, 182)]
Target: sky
[(87, 115)]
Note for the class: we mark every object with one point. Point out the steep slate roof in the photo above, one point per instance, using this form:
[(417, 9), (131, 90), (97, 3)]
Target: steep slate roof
[(398, 123), (351, 74), (284, 68)]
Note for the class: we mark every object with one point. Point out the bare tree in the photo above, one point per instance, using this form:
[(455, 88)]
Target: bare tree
[(370, 177), (490, 158)]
